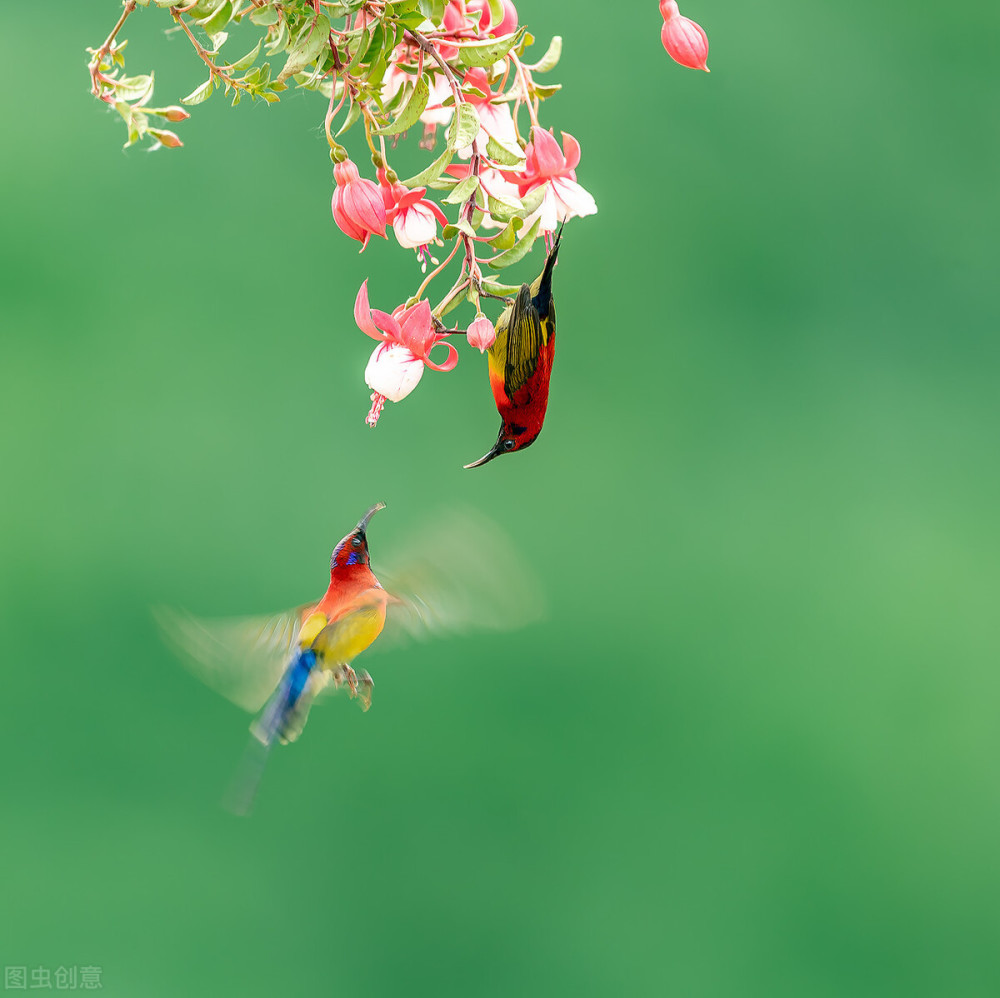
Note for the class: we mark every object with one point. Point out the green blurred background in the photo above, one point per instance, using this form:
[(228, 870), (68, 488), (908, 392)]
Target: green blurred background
[(751, 751)]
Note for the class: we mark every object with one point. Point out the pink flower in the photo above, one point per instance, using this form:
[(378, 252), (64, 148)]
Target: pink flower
[(407, 338), (413, 218), (357, 204), (685, 40), (494, 119), (481, 333), (547, 166), (505, 27)]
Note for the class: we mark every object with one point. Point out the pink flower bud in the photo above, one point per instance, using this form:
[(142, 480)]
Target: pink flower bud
[(685, 40), (175, 113), (357, 204), (481, 333), (165, 138)]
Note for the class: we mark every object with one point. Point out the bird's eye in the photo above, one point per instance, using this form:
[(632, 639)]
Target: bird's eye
[(356, 542), (508, 444)]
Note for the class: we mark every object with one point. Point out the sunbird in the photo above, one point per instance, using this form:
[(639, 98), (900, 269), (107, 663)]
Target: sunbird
[(459, 575), (520, 362)]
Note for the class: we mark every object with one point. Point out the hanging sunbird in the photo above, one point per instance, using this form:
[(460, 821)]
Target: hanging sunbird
[(520, 362), (282, 662)]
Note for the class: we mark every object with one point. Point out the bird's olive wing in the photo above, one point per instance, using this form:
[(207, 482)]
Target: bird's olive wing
[(458, 573), (240, 657), (524, 340)]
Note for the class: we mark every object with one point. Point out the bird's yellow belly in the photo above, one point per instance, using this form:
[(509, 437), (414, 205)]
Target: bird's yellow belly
[(340, 641)]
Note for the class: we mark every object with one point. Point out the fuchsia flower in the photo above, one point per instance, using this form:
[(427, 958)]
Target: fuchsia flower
[(481, 333), (685, 40), (482, 7), (548, 166), (357, 204), (407, 338), (414, 219), (494, 119)]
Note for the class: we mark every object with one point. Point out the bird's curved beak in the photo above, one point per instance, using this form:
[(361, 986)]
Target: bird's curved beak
[(492, 453), (363, 522)]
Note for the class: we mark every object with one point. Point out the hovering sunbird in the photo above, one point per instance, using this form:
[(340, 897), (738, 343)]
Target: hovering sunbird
[(520, 362), (458, 576)]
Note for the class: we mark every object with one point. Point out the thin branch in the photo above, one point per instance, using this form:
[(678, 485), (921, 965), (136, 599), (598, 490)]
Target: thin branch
[(97, 79)]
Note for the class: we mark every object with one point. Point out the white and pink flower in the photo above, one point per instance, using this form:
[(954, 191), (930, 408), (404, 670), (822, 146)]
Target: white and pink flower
[(414, 219), (407, 337), (554, 169)]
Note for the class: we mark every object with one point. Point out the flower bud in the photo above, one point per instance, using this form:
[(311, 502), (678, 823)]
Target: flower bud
[(685, 40), (481, 333), (357, 204), (175, 113)]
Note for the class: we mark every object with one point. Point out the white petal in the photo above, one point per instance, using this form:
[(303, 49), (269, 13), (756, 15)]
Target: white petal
[(393, 371), (548, 212), (496, 120), (414, 227), (572, 199)]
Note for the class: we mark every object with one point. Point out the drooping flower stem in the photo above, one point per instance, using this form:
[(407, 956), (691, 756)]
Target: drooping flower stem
[(96, 76)]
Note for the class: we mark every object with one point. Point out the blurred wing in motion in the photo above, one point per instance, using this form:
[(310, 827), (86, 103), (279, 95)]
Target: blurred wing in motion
[(460, 573), (243, 658)]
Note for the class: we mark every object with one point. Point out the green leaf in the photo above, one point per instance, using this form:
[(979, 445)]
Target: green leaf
[(503, 209), (551, 58), (134, 88), (464, 127), (218, 20), (496, 288), (433, 10), (313, 38), (247, 61), (432, 172), (463, 190), (264, 16), (544, 92), (486, 53), (502, 154), (352, 116), (517, 252), (452, 303), (496, 11), (532, 201), (258, 77), (200, 94), (355, 64), (280, 40), (375, 46), (410, 114), (505, 238)]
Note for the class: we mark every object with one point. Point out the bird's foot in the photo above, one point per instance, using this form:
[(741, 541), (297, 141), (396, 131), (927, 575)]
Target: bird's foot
[(351, 678), (367, 686)]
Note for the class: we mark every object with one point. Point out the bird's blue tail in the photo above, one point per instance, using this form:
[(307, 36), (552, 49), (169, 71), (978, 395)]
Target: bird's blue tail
[(282, 719)]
